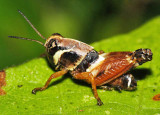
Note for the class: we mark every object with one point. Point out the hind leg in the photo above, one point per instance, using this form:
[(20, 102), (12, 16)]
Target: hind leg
[(126, 82)]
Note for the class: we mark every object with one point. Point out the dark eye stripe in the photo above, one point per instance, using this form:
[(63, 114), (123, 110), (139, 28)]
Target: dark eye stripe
[(50, 43)]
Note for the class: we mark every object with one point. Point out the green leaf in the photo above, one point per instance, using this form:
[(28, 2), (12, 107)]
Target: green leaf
[(69, 96)]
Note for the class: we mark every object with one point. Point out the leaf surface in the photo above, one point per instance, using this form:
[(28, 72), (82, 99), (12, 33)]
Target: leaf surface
[(69, 96)]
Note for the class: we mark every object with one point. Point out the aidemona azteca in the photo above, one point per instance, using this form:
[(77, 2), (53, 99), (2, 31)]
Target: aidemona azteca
[(84, 63)]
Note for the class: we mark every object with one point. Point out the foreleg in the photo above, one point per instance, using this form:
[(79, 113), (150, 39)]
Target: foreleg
[(55, 75)]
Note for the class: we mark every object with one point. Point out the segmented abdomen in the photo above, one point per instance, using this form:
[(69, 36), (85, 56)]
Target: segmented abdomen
[(113, 67)]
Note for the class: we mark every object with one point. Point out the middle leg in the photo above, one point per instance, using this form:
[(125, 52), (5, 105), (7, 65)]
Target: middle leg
[(88, 77)]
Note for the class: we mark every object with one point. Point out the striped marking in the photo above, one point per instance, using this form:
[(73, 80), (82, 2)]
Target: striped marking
[(96, 63), (129, 81), (58, 54), (77, 63)]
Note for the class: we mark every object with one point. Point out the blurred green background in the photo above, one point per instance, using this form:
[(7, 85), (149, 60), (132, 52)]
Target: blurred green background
[(85, 20)]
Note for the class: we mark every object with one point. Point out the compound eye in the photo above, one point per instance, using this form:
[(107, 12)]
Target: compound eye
[(51, 43)]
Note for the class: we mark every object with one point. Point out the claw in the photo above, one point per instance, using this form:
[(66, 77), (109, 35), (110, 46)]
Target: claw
[(119, 88), (34, 91), (99, 103), (37, 89)]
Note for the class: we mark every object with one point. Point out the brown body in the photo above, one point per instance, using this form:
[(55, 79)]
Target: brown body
[(84, 63), (95, 68)]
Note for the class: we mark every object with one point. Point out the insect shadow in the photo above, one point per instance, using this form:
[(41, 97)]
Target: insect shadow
[(141, 73)]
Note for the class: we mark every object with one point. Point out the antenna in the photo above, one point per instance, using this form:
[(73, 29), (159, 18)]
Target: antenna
[(26, 39), (31, 26)]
